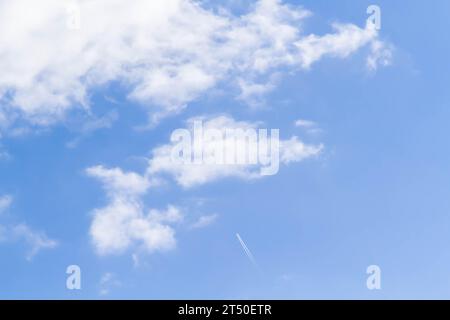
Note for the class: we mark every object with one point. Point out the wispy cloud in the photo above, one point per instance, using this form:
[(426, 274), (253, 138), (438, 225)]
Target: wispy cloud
[(108, 282), (36, 241), (309, 126), (205, 221), (90, 125), (123, 223), (5, 202), (12, 233)]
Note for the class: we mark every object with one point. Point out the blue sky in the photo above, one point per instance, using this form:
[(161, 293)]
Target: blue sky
[(375, 195)]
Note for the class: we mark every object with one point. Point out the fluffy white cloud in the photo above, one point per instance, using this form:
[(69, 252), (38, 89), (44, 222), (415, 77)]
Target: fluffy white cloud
[(293, 150), (118, 183), (189, 174), (346, 39), (123, 223), (164, 53)]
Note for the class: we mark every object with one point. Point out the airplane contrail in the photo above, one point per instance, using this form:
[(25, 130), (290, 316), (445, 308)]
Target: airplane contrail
[(247, 250)]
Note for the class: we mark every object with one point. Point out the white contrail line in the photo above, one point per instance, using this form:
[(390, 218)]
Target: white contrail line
[(247, 250)]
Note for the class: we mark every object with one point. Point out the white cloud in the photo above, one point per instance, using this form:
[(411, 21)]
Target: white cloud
[(309, 126), (347, 39), (171, 215), (123, 223), (92, 124), (37, 241), (381, 54), (253, 93), (108, 281), (204, 221), (189, 175), (118, 183), (293, 150), (164, 53), (305, 124)]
